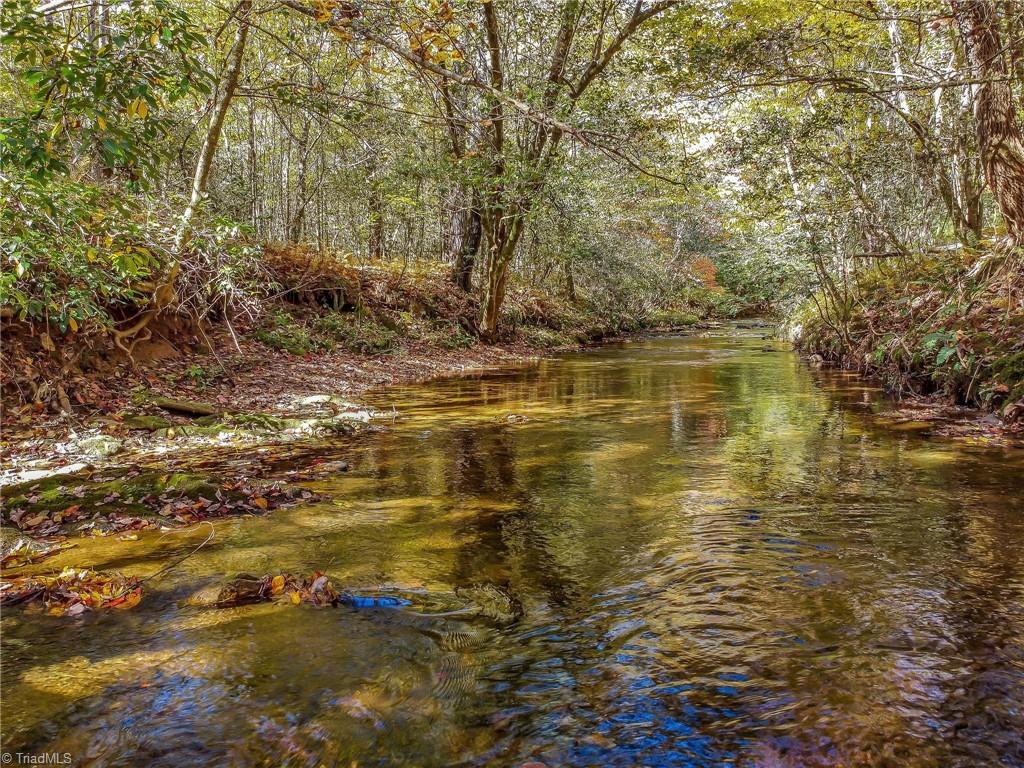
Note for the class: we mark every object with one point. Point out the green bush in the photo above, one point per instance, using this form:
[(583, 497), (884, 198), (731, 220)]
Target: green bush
[(672, 318), (71, 250), (282, 331), (447, 336), (542, 337), (356, 334), (714, 303)]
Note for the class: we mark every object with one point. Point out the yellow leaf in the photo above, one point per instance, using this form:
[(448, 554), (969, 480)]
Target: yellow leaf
[(277, 585), (154, 38), (73, 324), (260, 502), (101, 123), (138, 108), (296, 599)]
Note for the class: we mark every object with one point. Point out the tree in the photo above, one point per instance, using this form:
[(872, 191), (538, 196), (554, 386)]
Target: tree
[(522, 114), (999, 132), (165, 292)]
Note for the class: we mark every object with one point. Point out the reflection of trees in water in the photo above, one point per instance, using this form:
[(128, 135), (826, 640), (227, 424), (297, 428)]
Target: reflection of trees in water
[(880, 573)]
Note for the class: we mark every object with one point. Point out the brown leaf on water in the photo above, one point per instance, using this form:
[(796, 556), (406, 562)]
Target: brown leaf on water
[(129, 600)]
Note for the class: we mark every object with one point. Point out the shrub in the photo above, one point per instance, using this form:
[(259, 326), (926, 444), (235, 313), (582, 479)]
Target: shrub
[(672, 318), (357, 334), (544, 338), (282, 331), (72, 250), (447, 335)]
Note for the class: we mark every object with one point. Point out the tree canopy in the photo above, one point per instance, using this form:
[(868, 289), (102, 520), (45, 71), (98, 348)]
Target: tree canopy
[(598, 148)]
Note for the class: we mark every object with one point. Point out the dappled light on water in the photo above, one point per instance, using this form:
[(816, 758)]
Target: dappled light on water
[(684, 551)]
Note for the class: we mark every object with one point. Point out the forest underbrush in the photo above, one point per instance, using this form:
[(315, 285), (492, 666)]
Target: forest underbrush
[(947, 327)]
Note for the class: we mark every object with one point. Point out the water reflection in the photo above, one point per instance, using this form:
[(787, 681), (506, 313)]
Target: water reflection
[(685, 551)]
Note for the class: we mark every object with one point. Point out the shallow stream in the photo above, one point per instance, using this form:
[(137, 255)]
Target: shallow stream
[(681, 551)]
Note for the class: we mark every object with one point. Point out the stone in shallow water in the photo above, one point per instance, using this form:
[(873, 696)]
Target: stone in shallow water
[(373, 601)]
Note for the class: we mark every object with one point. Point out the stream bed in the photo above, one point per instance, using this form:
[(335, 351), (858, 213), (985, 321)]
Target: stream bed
[(683, 551)]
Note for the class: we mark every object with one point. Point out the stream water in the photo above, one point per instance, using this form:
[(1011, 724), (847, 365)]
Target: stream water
[(681, 551)]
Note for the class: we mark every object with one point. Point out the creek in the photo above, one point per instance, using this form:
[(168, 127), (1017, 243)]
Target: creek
[(686, 550)]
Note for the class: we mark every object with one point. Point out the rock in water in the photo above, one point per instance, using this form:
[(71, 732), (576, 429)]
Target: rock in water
[(100, 445), (495, 602), (241, 590)]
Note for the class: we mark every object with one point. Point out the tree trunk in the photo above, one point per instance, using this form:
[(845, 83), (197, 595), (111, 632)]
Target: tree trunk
[(999, 133), (254, 192), (165, 293), (377, 233), (297, 223), (228, 85), (470, 235), (503, 232)]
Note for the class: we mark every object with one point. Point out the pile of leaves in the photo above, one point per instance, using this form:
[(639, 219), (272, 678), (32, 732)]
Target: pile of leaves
[(234, 498), (72, 592), (315, 589), (244, 589), (118, 513)]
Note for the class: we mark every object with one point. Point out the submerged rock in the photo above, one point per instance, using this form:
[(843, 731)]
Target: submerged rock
[(243, 589), (373, 601), (494, 602)]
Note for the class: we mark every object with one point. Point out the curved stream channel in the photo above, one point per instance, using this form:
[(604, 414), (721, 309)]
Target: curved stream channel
[(680, 551)]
